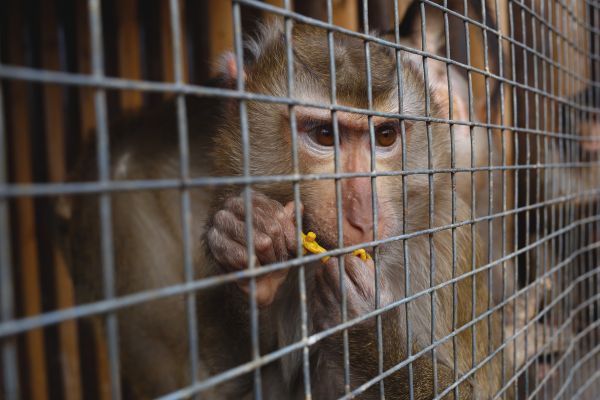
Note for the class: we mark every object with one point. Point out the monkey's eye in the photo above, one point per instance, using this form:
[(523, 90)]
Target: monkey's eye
[(386, 135), (324, 135)]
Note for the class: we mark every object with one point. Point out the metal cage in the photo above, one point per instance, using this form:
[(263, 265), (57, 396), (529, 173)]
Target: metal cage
[(525, 75)]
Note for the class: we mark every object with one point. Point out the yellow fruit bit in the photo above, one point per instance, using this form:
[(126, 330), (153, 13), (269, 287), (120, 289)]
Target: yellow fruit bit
[(362, 253), (309, 242)]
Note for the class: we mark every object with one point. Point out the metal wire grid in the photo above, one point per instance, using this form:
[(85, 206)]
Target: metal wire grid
[(561, 234)]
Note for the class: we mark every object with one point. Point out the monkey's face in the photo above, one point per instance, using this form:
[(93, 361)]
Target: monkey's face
[(317, 153), (364, 149), (271, 154)]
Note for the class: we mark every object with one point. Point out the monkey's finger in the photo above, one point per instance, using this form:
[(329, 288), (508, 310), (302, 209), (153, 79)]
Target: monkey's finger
[(230, 226), (266, 286), (272, 232), (268, 218), (237, 205), (229, 253), (228, 223), (259, 201), (264, 209), (264, 249)]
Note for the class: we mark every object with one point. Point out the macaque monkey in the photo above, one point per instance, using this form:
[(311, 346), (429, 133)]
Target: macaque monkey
[(148, 234)]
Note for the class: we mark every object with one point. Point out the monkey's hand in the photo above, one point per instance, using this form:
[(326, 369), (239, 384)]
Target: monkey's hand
[(274, 229), (358, 284)]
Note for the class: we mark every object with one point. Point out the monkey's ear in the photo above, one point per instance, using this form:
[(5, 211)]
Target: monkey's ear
[(228, 71)]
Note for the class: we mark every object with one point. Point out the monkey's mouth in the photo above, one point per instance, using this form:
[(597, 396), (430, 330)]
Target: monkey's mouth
[(324, 238), (329, 240)]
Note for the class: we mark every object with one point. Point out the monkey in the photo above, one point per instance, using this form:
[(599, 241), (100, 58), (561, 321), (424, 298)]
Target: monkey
[(149, 234)]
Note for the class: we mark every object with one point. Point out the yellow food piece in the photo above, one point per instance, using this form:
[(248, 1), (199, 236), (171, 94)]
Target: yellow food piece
[(309, 242), (362, 253)]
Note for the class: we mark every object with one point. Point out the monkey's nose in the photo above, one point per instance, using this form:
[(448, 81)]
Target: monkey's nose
[(357, 211), (363, 224), (358, 229)]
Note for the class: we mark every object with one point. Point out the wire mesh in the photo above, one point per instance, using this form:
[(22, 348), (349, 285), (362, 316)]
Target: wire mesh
[(513, 87)]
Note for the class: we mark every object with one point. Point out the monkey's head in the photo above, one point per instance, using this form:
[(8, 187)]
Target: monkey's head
[(270, 133)]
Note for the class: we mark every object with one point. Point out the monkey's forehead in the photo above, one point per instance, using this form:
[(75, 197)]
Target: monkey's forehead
[(352, 89), (359, 75), (351, 120), (307, 89)]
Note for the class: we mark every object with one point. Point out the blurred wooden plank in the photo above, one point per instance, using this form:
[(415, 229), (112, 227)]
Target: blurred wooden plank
[(312, 8), (55, 128), (196, 18), (129, 58), (345, 14), (508, 135), (276, 3), (101, 353), (53, 98), (221, 28), (86, 95), (167, 44), (579, 62), (27, 252), (381, 15), (564, 53), (402, 7), (477, 61), (151, 35), (88, 123)]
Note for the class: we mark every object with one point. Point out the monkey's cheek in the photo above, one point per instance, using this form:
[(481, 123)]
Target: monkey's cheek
[(370, 264), (325, 308)]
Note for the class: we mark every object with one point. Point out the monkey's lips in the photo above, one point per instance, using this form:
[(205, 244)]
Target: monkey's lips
[(329, 241)]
